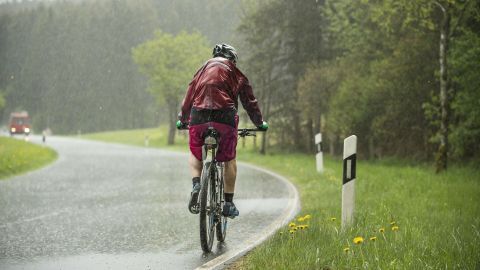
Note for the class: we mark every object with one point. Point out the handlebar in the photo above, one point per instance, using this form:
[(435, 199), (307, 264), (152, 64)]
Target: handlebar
[(242, 132)]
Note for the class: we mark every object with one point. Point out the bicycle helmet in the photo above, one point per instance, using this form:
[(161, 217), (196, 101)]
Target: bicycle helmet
[(226, 51)]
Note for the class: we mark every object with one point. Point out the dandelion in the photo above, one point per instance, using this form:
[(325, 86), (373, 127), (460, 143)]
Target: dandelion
[(358, 240), (291, 231), (395, 228), (374, 238), (301, 227), (305, 226), (307, 217), (393, 223), (382, 230), (346, 250), (291, 225), (300, 219), (333, 218)]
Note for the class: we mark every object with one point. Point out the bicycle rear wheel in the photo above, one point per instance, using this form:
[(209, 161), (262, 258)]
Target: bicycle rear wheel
[(221, 225), (207, 207)]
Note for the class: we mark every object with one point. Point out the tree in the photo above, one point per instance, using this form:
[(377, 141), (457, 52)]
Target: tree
[(169, 62), (280, 39), (451, 11), (315, 89), (69, 64), (465, 63)]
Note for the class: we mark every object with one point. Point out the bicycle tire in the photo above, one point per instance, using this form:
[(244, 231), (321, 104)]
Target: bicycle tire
[(207, 228), (221, 227)]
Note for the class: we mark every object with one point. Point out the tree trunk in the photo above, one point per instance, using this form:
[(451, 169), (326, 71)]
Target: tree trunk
[(442, 152), (266, 114), (172, 128), (333, 141), (371, 148), (311, 136)]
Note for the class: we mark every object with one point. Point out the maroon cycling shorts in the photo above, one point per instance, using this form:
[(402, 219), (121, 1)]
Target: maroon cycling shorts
[(227, 142)]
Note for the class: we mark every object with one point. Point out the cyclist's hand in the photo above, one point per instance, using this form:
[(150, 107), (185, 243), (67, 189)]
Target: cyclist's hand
[(181, 125), (263, 126)]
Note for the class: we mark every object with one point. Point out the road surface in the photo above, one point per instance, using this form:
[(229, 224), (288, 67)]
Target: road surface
[(110, 206)]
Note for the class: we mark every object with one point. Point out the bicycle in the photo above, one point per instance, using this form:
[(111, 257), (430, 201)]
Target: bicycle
[(212, 197)]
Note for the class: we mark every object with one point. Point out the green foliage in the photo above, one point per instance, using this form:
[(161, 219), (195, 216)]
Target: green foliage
[(18, 157), (278, 44), (69, 64), (215, 19), (170, 62), (466, 105), (379, 62)]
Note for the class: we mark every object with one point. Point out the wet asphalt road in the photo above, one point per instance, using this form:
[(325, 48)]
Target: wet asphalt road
[(109, 206)]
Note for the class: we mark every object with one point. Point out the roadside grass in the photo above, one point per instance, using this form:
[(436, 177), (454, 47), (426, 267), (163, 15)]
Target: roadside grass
[(18, 157), (428, 221), (408, 216), (156, 137)]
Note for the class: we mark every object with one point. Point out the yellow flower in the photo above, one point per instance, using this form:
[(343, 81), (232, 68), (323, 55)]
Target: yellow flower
[(333, 218), (395, 228), (300, 219), (305, 226), (346, 249), (358, 240), (307, 217), (393, 223), (301, 227), (374, 238), (292, 231), (382, 230), (291, 225)]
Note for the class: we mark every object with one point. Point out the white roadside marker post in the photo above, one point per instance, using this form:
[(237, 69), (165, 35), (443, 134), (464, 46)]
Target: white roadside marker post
[(349, 175), (319, 156)]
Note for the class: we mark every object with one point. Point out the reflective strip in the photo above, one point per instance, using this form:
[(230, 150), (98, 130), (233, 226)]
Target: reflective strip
[(349, 168)]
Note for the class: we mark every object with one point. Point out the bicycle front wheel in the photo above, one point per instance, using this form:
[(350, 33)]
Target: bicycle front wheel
[(207, 208)]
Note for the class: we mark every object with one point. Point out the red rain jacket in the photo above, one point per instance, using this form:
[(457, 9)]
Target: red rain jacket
[(216, 86)]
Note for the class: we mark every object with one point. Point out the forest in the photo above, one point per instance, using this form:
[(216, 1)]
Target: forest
[(69, 63), (401, 75)]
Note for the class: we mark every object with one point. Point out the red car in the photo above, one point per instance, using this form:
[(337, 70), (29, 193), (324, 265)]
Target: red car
[(19, 123)]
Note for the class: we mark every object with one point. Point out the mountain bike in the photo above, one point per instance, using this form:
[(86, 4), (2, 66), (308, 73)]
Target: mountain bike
[(212, 197)]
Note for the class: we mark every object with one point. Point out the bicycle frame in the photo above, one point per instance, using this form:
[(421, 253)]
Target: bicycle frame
[(212, 199)]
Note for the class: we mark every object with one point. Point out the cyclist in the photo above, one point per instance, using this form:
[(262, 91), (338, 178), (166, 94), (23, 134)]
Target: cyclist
[(212, 101)]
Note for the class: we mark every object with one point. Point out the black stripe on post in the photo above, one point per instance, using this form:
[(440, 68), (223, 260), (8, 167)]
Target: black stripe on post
[(349, 168)]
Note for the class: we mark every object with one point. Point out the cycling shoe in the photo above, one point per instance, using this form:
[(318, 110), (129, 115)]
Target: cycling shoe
[(193, 205), (230, 210)]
